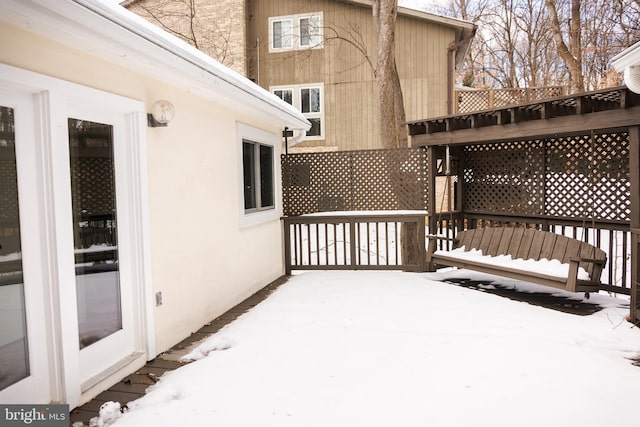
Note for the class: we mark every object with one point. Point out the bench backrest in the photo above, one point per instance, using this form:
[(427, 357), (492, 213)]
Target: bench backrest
[(528, 243)]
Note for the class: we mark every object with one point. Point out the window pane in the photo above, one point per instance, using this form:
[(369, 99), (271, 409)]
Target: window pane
[(310, 99), (286, 95), (248, 167), (315, 129), (310, 30), (266, 176), (14, 351), (315, 25), (93, 202), (281, 34), (305, 32)]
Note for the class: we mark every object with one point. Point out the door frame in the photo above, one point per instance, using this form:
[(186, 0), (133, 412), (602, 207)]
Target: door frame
[(54, 100), (39, 383)]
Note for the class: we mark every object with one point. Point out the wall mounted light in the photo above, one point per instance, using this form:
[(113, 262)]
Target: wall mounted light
[(162, 112)]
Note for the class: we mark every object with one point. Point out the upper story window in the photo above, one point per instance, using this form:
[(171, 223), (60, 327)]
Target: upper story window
[(292, 32), (309, 99)]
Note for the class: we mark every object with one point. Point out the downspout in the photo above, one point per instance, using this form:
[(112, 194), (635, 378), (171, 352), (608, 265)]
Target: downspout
[(258, 61), (294, 141)]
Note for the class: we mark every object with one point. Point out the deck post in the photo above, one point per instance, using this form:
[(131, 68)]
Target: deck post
[(353, 242), (422, 253), (634, 178), (287, 246), (431, 208)]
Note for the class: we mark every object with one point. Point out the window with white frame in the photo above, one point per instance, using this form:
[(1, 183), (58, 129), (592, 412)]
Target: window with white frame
[(293, 32), (259, 198), (258, 179), (309, 99)]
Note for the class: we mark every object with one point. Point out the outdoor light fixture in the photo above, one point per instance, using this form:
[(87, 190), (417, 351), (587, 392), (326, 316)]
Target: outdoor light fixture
[(162, 112)]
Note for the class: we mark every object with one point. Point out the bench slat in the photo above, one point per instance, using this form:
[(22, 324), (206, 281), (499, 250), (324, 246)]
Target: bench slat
[(590, 252), (466, 238), (560, 248), (573, 250), (525, 244), (496, 237), (507, 235), (536, 245), (546, 251), (485, 242), (516, 239), (477, 238)]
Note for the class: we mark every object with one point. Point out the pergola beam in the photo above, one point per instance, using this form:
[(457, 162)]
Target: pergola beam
[(533, 129), (615, 108)]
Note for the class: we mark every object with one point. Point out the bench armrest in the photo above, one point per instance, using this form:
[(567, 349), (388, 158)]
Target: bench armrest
[(436, 237), (590, 260)]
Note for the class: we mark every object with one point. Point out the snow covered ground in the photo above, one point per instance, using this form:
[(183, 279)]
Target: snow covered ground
[(401, 349)]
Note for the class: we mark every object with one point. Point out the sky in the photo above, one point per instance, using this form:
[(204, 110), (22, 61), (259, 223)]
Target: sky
[(415, 4), (420, 4)]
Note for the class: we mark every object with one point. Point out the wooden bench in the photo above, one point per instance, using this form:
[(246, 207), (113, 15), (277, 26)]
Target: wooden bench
[(525, 244)]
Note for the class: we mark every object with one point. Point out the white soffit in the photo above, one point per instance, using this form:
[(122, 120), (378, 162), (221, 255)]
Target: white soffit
[(112, 33)]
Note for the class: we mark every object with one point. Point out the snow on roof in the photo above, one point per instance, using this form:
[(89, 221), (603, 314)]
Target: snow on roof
[(113, 33)]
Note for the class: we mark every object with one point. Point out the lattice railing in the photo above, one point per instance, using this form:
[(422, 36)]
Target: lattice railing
[(96, 194), (355, 180), (571, 177), (484, 99)]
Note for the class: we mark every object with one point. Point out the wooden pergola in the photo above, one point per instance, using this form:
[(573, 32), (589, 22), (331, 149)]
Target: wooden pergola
[(564, 161)]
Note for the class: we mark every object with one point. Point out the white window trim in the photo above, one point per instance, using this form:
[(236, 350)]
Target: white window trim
[(295, 28), (297, 102), (256, 146), (251, 218)]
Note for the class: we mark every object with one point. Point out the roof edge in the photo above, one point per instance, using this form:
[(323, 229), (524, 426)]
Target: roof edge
[(150, 49), (629, 56), (151, 33)]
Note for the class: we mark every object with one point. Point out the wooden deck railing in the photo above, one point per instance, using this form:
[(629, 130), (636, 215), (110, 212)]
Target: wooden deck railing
[(354, 242), (326, 243)]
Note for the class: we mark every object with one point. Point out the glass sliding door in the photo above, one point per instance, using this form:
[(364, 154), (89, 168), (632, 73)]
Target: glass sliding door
[(14, 348), (93, 196)]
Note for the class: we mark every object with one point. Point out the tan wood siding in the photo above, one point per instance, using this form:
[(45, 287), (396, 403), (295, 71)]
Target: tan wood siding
[(349, 110)]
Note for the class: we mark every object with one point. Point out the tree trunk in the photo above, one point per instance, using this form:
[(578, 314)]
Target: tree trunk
[(572, 56), (389, 102), (392, 128)]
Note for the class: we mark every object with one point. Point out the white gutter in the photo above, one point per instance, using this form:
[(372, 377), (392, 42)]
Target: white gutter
[(629, 56), (628, 61), (302, 134)]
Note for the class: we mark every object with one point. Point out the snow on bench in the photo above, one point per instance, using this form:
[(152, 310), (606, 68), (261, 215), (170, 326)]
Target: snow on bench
[(525, 254)]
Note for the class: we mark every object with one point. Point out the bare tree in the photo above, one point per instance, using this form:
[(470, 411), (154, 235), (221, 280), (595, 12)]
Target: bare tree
[(571, 53), (547, 42), (192, 22), (473, 71), (389, 100)]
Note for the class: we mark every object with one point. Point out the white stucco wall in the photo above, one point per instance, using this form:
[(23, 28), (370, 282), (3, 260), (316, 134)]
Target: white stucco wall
[(201, 259)]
